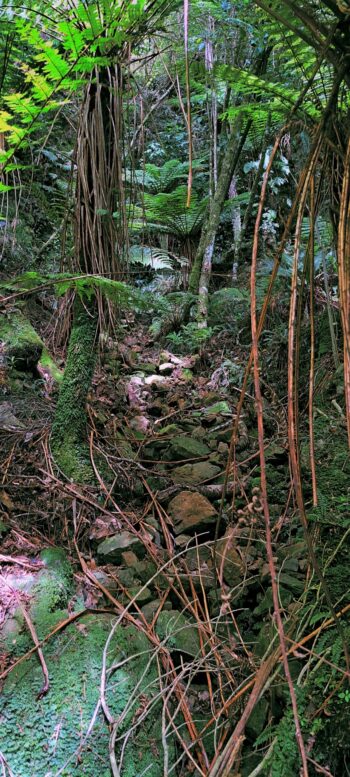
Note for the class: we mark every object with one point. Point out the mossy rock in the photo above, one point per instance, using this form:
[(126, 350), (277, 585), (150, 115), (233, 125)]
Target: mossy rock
[(178, 632), (24, 349), (195, 473), (23, 346), (182, 448), (38, 738)]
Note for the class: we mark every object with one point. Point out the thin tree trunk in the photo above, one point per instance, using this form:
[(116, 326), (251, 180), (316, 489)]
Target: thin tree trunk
[(236, 221), (202, 265), (228, 166)]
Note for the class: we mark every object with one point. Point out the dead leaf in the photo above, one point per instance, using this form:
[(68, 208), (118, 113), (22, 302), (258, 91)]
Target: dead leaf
[(6, 500)]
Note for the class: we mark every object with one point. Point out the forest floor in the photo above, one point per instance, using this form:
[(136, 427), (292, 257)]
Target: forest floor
[(169, 538)]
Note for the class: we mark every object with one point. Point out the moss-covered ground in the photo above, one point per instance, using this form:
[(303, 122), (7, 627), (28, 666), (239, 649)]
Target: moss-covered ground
[(46, 737)]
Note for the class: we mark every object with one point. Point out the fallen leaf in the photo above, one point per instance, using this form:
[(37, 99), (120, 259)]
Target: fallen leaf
[(6, 500)]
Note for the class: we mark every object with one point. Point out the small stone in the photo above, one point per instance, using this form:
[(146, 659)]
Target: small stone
[(149, 610), (201, 554), (179, 632), (190, 510), (187, 448), (8, 421), (215, 457), (155, 380), (199, 433), (166, 368), (133, 392), (195, 473), (129, 558), (142, 595), (223, 448), (182, 540), (224, 435), (112, 548)]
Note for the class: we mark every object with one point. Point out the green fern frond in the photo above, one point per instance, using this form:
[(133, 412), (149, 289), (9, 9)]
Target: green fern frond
[(157, 179), (156, 258)]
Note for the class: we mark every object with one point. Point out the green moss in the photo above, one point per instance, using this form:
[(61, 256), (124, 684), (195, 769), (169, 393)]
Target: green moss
[(49, 592), (24, 349), (68, 442), (23, 346), (47, 363), (40, 737)]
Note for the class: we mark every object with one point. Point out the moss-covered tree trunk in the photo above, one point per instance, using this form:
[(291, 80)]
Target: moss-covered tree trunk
[(97, 183), (68, 439)]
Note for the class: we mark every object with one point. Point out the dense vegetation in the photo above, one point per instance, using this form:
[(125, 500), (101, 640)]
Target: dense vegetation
[(175, 388)]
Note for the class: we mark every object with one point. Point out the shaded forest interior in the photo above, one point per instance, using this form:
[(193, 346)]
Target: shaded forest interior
[(174, 388)]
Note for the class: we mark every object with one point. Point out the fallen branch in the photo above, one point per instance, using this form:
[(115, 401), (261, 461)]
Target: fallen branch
[(45, 687), (20, 561)]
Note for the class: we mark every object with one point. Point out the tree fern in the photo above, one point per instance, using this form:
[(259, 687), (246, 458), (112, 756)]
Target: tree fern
[(90, 38)]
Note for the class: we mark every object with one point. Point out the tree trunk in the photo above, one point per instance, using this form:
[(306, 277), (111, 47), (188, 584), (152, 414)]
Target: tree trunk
[(95, 238), (68, 439), (201, 270)]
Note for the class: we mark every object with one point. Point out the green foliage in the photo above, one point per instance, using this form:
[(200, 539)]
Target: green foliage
[(90, 36), (155, 258), (190, 338), (285, 759), (157, 179), (167, 212), (86, 286), (229, 308)]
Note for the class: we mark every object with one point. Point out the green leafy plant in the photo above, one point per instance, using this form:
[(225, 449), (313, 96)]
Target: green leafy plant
[(190, 338)]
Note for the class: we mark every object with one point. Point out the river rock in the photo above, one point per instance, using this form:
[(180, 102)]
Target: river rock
[(195, 473), (167, 368), (182, 448), (178, 631), (190, 511), (112, 549), (21, 344)]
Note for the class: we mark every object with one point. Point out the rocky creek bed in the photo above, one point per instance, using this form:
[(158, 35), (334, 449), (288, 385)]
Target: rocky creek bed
[(160, 595)]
